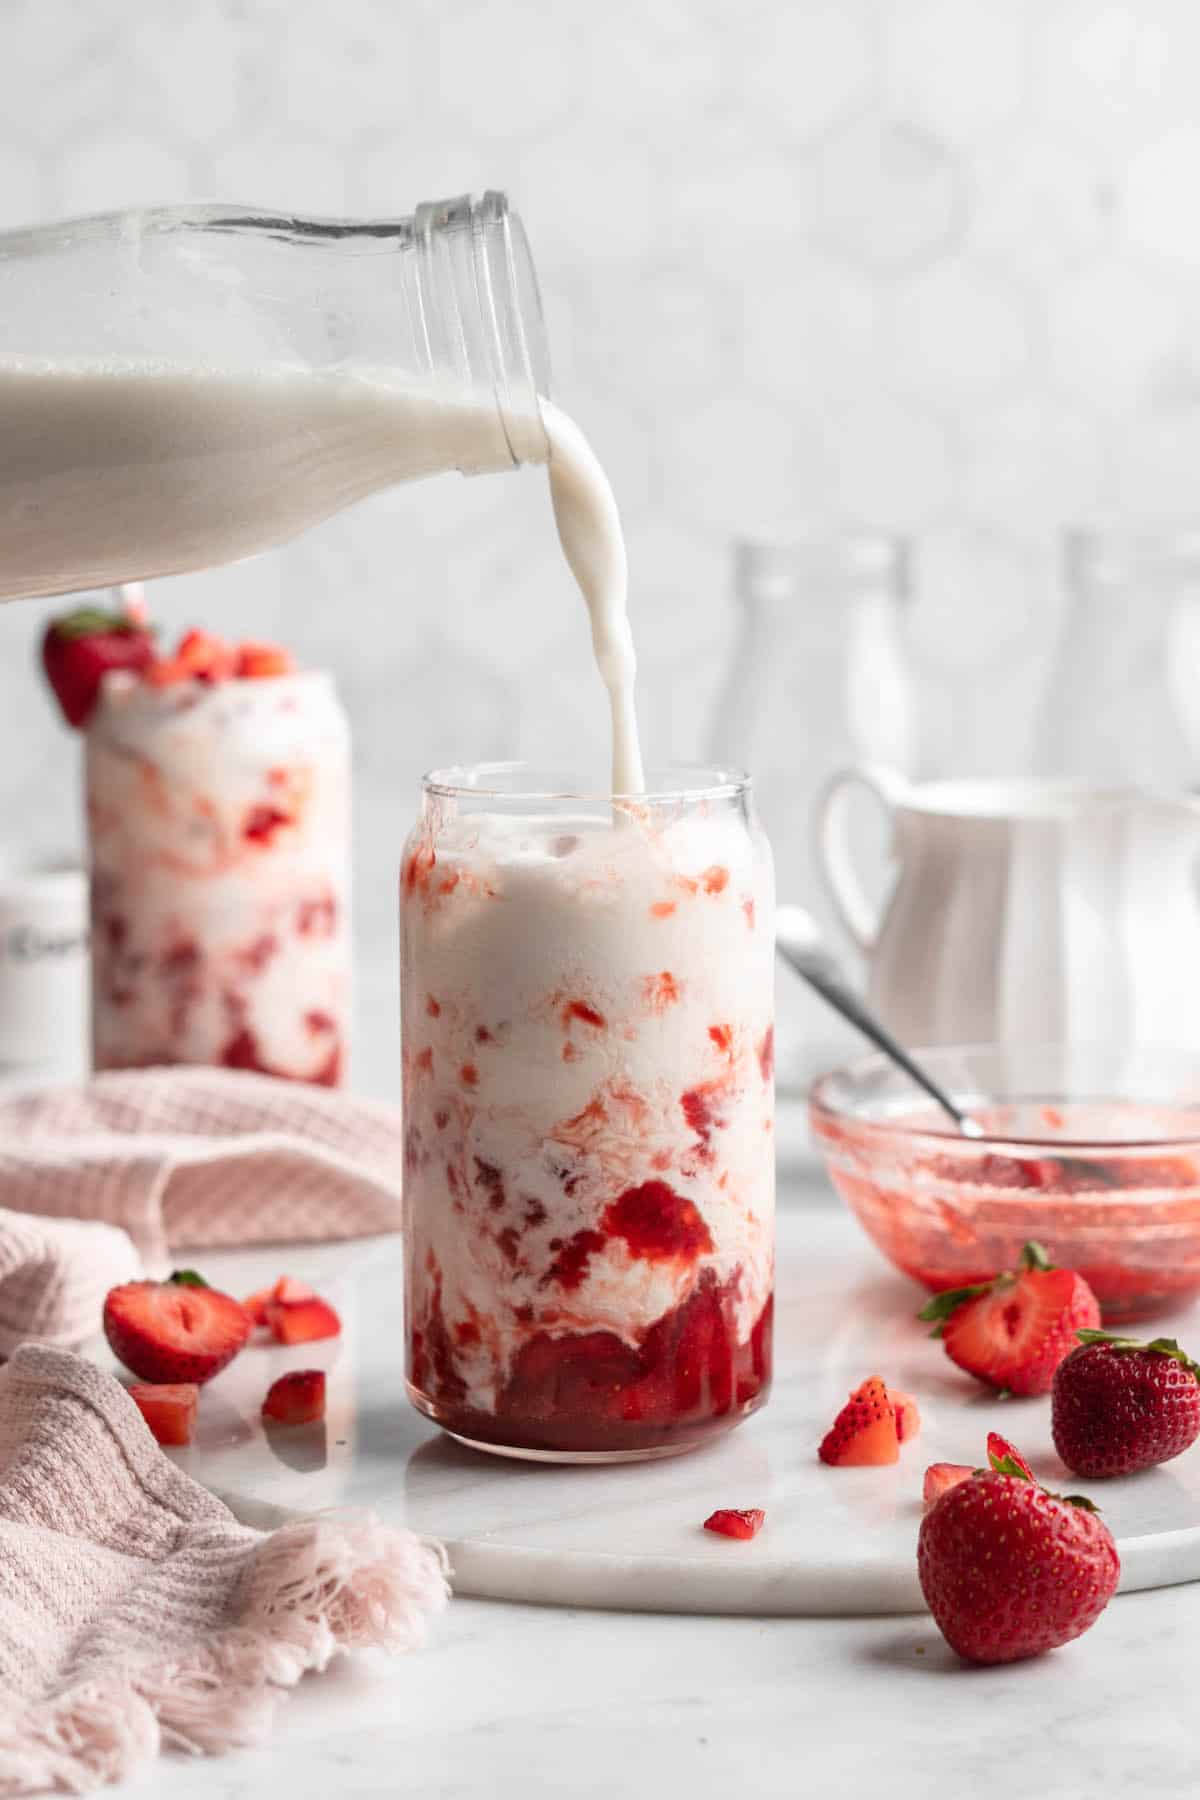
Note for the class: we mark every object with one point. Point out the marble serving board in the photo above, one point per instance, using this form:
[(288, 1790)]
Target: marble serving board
[(836, 1541)]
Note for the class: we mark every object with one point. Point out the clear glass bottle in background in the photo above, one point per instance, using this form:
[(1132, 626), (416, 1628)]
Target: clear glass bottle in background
[(588, 1105), (818, 679), (218, 824), (1122, 704), (183, 386)]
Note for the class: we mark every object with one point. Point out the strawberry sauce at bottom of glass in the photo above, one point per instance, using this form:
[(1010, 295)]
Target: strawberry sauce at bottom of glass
[(587, 991), (218, 828)]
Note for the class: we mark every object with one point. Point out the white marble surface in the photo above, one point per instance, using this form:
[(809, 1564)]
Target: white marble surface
[(835, 1541), (514, 1700)]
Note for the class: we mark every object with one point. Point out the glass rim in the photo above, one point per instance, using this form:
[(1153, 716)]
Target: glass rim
[(824, 1103), (519, 780)]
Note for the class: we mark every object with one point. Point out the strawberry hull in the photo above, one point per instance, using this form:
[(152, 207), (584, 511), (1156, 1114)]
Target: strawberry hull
[(214, 939), (589, 1129)]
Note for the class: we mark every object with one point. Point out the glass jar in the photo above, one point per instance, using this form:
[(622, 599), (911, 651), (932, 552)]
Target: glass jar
[(183, 386), (218, 821), (818, 680), (1122, 705), (588, 1104)]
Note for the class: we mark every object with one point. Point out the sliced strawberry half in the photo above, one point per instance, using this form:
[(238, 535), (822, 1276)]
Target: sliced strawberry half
[(1014, 1331), (297, 1398), (168, 1407), (941, 1477), (82, 647), (174, 1331), (736, 1521), (864, 1432)]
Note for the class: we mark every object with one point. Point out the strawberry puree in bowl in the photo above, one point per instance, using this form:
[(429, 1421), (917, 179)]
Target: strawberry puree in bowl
[(587, 990), (1095, 1153), (218, 828)]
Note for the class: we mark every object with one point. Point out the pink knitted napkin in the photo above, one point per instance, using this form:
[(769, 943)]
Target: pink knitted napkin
[(174, 1157), (137, 1613)]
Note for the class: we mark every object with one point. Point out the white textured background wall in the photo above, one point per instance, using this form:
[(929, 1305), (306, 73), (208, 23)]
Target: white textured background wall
[(926, 264)]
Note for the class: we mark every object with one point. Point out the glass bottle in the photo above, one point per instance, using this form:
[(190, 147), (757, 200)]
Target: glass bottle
[(588, 1106), (1122, 704), (184, 386), (818, 680)]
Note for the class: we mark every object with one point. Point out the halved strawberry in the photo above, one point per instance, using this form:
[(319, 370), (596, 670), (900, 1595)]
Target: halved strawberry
[(296, 1399), (941, 1477), (174, 1331), (257, 662), (302, 1321), (1014, 1331), (864, 1432), (908, 1415), (82, 647), (168, 1407), (736, 1521)]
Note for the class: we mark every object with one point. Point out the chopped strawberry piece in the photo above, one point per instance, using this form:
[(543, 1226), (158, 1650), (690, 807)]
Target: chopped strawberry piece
[(168, 1407), (941, 1477), (864, 1432), (297, 1398), (908, 1415), (257, 662), (736, 1521), (302, 1321), (174, 1331), (1005, 1458), (256, 1304), (167, 672), (206, 656), (289, 1292), (82, 647)]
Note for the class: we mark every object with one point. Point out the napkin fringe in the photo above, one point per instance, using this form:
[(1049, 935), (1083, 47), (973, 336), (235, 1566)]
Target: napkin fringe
[(337, 1581)]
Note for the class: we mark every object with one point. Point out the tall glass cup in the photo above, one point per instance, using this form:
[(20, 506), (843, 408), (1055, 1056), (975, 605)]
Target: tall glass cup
[(587, 990), (219, 847)]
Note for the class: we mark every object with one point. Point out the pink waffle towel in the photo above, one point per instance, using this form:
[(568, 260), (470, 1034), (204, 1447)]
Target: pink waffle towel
[(141, 1162), (136, 1612)]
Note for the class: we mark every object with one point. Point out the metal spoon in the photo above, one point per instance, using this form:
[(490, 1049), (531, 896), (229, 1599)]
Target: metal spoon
[(798, 941)]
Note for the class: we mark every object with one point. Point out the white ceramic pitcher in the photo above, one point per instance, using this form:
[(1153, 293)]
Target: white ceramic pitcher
[(1024, 911)]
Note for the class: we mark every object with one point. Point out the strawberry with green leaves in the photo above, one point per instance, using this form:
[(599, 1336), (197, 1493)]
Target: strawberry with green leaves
[(82, 647), (1009, 1570), (1120, 1405), (1014, 1331)]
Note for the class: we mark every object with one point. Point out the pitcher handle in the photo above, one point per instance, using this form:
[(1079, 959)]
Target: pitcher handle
[(859, 916)]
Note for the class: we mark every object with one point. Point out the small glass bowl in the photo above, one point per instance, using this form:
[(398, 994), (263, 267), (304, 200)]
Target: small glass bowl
[(1093, 1152)]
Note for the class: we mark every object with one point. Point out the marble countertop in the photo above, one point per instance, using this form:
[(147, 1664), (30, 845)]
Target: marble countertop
[(515, 1700)]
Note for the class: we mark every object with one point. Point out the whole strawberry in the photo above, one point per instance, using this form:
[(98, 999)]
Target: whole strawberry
[(82, 647), (1120, 1405), (1008, 1570), (1014, 1331)]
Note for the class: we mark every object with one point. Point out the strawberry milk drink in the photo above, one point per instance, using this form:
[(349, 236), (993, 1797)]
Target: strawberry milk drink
[(219, 832), (588, 1080)]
